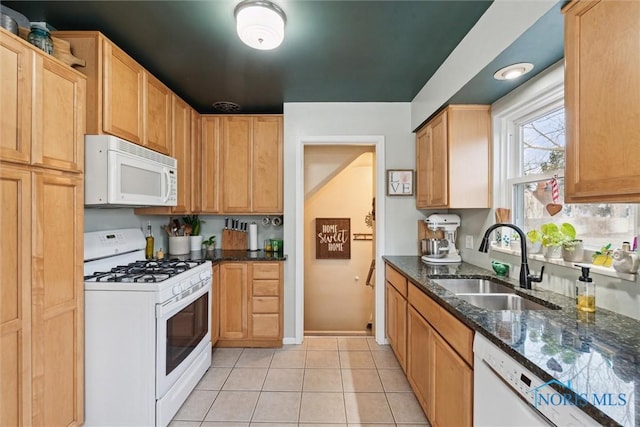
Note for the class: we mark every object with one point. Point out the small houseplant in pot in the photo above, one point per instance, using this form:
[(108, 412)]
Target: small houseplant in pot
[(210, 243), (572, 248), (534, 241), (552, 239), (193, 224)]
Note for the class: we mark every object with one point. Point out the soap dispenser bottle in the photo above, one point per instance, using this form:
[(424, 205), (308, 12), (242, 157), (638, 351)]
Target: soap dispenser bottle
[(585, 291)]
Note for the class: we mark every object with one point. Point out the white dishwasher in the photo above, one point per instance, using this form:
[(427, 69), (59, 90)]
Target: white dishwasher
[(502, 393)]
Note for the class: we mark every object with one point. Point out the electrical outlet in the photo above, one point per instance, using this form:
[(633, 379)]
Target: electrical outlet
[(468, 241)]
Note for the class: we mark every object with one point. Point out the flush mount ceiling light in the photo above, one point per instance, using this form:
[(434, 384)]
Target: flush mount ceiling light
[(513, 71), (260, 24)]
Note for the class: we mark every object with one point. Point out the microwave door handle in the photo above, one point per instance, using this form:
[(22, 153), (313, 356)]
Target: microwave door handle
[(167, 177)]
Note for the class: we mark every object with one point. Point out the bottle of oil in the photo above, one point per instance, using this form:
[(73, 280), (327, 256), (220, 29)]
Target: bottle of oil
[(585, 291), (148, 252)]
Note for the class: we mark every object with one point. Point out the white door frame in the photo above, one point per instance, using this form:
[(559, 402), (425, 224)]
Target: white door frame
[(378, 142)]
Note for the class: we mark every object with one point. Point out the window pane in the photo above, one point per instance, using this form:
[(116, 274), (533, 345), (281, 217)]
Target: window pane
[(543, 143), (596, 224)]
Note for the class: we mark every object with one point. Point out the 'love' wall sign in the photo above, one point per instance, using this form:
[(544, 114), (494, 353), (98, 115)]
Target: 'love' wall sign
[(333, 238)]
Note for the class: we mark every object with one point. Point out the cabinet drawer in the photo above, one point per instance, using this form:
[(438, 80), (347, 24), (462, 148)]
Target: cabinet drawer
[(457, 334), (266, 288), (396, 279), (266, 270), (265, 326), (266, 305)]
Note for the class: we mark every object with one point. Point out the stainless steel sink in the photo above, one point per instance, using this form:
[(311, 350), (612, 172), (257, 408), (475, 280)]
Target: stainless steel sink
[(473, 286), (501, 302)]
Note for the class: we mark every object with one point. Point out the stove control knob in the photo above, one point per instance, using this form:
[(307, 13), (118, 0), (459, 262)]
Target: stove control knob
[(177, 289)]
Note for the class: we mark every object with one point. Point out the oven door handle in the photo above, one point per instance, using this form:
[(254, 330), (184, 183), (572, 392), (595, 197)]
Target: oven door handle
[(169, 308)]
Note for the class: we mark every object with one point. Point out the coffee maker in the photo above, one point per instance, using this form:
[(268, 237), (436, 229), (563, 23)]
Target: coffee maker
[(448, 223)]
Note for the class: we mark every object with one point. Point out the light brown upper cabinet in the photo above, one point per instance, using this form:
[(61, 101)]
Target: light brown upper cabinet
[(123, 99), (37, 85), (602, 101), (251, 164), (15, 98), (237, 136), (157, 115), (209, 164), (122, 94), (453, 159), (181, 125), (181, 150)]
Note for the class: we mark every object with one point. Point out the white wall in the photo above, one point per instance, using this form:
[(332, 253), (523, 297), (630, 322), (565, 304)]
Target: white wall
[(390, 120)]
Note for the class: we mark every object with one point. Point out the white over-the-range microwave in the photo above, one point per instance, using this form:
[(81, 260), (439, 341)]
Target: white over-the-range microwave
[(119, 173)]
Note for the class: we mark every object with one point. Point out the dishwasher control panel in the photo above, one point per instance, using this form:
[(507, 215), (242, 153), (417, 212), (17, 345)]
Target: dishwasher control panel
[(526, 385)]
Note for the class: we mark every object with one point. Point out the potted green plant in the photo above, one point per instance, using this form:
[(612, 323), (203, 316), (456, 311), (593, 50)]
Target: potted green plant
[(572, 248), (210, 243), (534, 241), (193, 225), (552, 239)]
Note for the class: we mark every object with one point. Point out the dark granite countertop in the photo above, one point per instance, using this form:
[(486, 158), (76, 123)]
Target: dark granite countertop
[(599, 353), (220, 255)]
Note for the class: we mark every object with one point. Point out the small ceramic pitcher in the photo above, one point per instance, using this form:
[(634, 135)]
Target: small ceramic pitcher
[(625, 261)]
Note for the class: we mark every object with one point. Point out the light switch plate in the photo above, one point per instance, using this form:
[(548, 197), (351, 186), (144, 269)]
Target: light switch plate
[(468, 241)]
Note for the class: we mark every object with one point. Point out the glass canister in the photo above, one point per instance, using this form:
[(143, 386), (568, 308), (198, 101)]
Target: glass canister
[(41, 37)]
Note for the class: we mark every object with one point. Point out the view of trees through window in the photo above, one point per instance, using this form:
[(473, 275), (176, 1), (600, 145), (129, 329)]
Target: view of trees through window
[(542, 142)]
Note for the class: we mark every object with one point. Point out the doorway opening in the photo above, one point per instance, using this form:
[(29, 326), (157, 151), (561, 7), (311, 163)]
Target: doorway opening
[(336, 281), (339, 239)]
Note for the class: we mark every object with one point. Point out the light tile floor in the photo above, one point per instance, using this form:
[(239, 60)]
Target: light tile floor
[(326, 381)]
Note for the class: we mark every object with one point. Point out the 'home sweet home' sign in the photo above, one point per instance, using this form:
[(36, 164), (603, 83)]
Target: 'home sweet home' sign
[(333, 238)]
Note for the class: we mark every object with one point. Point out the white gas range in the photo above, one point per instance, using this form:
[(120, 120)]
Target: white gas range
[(147, 330)]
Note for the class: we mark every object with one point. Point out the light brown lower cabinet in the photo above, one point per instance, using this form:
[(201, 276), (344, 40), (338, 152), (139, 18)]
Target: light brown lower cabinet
[(215, 304), (251, 299), (439, 361), (396, 323), (419, 360)]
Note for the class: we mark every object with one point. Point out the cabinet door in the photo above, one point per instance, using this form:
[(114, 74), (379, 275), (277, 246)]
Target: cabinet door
[(452, 387), (57, 299), (196, 162), (181, 150), (397, 326), (602, 98), (15, 99), (438, 162), (15, 304), (236, 158), (157, 115), (233, 300), (266, 188), (423, 138), (59, 116), (419, 359), (210, 164), (122, 104), (215, 305), (390, 315)]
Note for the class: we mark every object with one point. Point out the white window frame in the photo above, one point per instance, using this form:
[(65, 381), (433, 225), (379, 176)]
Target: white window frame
[(541, 93)]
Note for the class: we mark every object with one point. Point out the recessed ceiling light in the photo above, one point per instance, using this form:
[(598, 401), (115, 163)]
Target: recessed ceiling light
[(513, 71)]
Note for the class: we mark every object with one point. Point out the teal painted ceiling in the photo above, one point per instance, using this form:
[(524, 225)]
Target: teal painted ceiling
[(334, 51)]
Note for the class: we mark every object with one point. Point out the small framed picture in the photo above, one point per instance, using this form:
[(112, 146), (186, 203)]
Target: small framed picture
[(399, 182)]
